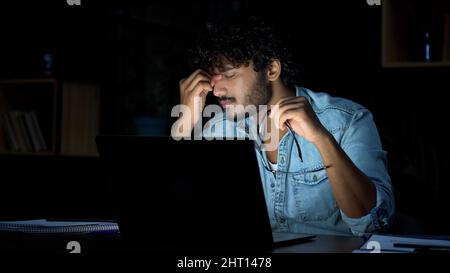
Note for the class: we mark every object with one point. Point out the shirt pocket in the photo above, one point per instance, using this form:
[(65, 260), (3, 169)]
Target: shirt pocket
[(312, 196), (310, 176)]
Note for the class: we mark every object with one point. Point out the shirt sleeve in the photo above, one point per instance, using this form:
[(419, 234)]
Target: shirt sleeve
[(362, 144)]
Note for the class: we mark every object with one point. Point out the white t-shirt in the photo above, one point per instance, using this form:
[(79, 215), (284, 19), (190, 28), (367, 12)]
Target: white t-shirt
[(273, 166)]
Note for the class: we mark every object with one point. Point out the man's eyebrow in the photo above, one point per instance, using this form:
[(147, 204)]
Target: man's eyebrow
[(228, 68), (224, 69)]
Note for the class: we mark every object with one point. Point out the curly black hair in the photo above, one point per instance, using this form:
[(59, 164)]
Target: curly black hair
[(237, 42)]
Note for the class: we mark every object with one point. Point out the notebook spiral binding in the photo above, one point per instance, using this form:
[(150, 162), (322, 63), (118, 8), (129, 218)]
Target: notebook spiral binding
[(80, 229)]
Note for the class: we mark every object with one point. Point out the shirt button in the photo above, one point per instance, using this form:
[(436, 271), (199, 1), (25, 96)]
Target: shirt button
[(315, 177), (272, 185), (282, 220), (282, 160)]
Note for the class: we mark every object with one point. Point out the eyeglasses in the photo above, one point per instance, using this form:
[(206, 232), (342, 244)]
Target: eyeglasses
[(295, 139)]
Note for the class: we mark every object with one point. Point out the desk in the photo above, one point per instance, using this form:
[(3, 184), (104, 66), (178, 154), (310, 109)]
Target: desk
[(99, 244), (324, 244)]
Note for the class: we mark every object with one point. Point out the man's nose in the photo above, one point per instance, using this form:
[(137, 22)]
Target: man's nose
[(219, 91), (219, 88)]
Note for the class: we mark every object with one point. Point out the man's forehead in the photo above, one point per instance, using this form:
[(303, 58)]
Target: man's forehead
[(223, 68)]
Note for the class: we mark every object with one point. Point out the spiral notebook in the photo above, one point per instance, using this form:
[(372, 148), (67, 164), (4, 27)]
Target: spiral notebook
[(44, 226)]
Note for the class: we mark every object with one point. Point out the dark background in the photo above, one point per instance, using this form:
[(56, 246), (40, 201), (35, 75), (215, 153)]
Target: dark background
[(137, 52)]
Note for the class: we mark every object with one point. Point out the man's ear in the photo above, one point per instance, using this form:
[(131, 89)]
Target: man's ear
[(274, 70)]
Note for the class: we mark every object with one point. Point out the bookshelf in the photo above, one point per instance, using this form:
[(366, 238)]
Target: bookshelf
[(48, 117), (415, 33)]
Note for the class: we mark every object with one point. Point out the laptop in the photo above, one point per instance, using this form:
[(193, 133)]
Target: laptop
[(182, 195)]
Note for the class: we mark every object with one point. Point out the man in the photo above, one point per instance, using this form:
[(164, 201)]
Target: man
[(327, 173)]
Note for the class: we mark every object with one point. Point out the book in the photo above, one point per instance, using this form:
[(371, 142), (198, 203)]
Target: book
[(13, 145), (32, 131), (404, 244), (37, 129), (23, 131), (44, 226), (12, 116)]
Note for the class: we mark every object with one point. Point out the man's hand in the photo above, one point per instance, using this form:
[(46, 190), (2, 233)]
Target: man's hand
[(298, 113), (193, 91), (354, 192)]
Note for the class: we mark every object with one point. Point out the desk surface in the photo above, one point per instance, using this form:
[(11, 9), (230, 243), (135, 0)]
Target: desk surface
[(95, 244), (324, 244)]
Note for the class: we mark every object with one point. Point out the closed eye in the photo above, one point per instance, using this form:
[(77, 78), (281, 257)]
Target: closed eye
[(229, 76)]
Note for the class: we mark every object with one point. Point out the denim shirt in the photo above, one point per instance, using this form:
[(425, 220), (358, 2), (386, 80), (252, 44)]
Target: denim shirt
[(299, 198)]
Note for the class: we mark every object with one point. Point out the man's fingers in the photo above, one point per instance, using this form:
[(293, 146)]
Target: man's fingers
[(286, 116), (202, 87), (296, 106), (197, 79), (189, 78), (192, 76), (278, 109), (285, 101), (287, 108)]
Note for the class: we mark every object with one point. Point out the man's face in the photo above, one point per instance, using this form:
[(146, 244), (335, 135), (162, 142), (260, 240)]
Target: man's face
[(241, 86)]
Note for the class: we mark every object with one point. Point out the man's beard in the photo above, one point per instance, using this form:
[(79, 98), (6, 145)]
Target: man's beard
[(259, 94)]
